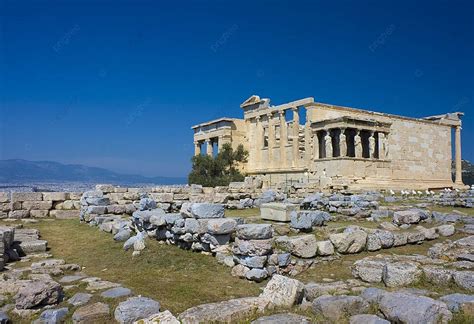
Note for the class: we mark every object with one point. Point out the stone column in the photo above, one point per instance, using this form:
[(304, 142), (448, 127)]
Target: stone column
[(271, 138), (381, 145), (458, 159), (343, 142), (251, 129), (307, 140), (283, 138), (371, 145), (357, 144), (209, 148), (328, 144), (258, 142), (296, 135), (315, 146), (197, 148)]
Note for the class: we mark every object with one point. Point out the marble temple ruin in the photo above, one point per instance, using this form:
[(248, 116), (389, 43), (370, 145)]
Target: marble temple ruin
[(334, 147)]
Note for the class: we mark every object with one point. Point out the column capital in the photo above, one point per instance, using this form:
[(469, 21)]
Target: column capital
[(294, 109), (281, 112), (207, 140)]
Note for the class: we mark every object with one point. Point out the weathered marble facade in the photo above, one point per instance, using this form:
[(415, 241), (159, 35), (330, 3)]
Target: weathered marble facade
[(338, 147)]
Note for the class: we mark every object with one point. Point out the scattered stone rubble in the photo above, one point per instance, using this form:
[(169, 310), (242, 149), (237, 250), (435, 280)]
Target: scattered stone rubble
[(257, 252), (202, 227)]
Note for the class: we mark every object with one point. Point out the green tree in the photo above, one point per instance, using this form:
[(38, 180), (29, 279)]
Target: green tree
[(218, 171)]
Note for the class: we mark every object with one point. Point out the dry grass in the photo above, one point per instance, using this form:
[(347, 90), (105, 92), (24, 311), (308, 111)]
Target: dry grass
[(177, 278)]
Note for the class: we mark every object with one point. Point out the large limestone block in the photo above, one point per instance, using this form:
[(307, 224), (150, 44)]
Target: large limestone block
[(64, 214), (135, 308), (38, 293), (349, 242), (335, 308), (252, 247), (399, 274), (229, 311), (279, 212), (162, 197), (325, 248), (26, 196), (411, 216), (368, 270), (41, 205), (4, 197), (55, 196), (93, 313), (221, 225), (105, 188), (303, 246), (407, 308), (34, 246), (206, 210), (286, 318), (305, 220), (39, 213), (165, 317), (367, 319), (282, 291), (254, 231), (19, 214)]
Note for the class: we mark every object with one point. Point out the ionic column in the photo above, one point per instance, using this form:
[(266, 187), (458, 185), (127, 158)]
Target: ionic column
[(259, 142), (271, 139), (342, 142), (315, 146), (197, 148), (328, 144), (357, 144), (283, 138), (381, 145), (209, 148), (458, 160), (296, 135), (250, 139), (307, 140), (372, 145)]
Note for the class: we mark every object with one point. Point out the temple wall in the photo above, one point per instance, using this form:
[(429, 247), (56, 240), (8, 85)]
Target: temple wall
[(18, 205), (417, 149)]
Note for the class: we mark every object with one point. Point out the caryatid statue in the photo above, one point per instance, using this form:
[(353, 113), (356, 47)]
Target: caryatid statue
[(372, 145), (358, 144), (328, 144)]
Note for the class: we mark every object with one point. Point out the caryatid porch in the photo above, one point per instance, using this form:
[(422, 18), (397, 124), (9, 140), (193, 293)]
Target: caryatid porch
[(347, 137)]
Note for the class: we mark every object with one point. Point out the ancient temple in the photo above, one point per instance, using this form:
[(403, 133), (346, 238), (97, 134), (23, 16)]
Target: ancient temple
[(329, 146)]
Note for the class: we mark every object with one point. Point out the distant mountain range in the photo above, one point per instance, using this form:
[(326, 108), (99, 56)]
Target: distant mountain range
[(15, 171)]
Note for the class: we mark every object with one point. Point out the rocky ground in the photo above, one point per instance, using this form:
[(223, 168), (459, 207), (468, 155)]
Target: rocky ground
[(357, 259)]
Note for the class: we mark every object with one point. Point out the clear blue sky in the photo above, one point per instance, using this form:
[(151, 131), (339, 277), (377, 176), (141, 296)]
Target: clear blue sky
[(117, 84)]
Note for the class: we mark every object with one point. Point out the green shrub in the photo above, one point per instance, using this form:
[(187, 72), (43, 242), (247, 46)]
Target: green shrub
[(220, 170)]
